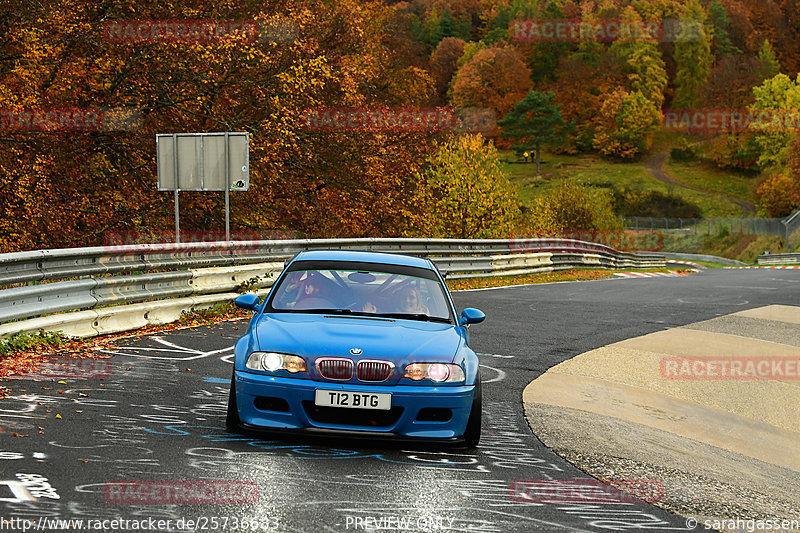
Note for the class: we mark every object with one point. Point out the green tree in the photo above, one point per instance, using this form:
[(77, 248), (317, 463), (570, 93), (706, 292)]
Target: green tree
[(469, 194), (720, 22), (447, 27), (534, 121), (544, 57), (768, 66), (692, 55)]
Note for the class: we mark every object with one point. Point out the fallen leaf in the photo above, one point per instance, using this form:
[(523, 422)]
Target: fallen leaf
[(58, 416)]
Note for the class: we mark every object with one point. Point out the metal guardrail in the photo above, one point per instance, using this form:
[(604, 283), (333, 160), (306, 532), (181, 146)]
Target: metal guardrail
[(778, 259), (155, 282), (703, 257)]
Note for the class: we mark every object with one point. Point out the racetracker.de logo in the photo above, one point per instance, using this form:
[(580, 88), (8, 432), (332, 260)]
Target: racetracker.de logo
[(197, 492), (604, 30), (586, 491), (70, 368), (731, 120), (70, 119), (730, 368), (200, 31), (434, 119)]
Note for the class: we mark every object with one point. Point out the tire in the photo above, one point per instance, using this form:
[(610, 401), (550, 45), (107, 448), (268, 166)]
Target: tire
[(472, 435), (232, 420)]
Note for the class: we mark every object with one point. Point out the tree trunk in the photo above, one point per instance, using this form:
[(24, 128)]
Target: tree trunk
[(538, 160)]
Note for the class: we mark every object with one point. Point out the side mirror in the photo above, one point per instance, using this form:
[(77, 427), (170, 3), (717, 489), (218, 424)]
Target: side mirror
[(471, 316), (247, 301)]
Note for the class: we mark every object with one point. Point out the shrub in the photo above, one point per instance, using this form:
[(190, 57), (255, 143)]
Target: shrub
[(779, 195), (684, 152), (571, 207), (469, 196), (654, 204)]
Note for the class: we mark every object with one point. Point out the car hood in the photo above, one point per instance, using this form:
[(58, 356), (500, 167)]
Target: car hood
[(316, 335)]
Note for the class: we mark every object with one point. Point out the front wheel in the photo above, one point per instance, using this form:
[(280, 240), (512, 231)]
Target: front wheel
[(232, 419), (472, 435)]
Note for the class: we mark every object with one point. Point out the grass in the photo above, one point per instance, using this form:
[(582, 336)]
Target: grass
[(704, 175), (584, 169), (20, 342), (592, 170), (745, 248)]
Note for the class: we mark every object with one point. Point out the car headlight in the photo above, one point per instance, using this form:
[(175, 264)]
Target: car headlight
[(438, 372), (273, 362)]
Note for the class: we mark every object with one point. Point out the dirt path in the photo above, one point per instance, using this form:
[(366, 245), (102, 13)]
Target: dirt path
[(654, 165)]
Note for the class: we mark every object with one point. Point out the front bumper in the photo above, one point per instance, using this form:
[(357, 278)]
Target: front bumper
[(299, 412)]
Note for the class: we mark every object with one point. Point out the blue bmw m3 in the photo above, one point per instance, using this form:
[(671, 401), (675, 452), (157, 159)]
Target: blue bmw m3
[(358, 343)]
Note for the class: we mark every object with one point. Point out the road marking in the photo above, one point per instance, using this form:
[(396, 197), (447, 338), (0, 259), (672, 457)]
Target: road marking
[(500, 375)]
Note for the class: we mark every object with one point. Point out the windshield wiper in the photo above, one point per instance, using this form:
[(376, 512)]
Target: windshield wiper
[(329, 311), (416, 316)]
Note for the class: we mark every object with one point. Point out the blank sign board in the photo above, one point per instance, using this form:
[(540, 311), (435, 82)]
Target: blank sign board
[(197, 161)]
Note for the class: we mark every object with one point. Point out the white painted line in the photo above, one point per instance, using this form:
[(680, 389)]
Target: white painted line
[(500, 375)]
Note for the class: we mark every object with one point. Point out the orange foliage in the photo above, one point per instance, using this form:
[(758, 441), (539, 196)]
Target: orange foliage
[(496, 78), (444, 64), (70, 188), (779, 195)]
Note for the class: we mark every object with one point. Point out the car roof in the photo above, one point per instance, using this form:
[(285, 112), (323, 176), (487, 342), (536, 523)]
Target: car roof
[(363, 257)]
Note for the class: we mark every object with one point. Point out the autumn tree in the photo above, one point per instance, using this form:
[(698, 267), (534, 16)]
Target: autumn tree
[(646, 69), (69, 188), (627, 123), (780, 97), (692, 55), (444, 62), (534, 121), (470, 196), (495, 78), (778, 195), (581, 91)]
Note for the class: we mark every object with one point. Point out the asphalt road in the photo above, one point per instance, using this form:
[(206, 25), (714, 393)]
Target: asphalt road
[(157, 415)]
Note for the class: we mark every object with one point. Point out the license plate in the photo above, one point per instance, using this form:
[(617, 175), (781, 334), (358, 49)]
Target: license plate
[(355, 400)]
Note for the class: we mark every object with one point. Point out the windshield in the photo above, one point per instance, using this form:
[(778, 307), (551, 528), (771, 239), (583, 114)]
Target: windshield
[(370, 291)]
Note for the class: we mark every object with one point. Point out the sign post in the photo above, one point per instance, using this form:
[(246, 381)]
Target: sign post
[(203, 162)]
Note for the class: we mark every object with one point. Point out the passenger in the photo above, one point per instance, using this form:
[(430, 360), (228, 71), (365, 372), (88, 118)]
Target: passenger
[(410, 302)]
